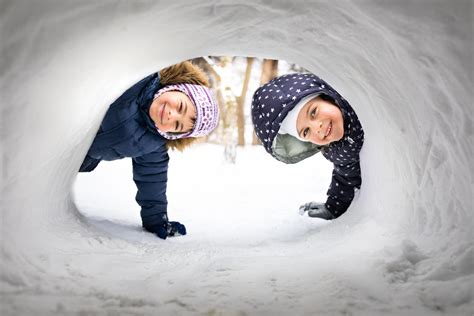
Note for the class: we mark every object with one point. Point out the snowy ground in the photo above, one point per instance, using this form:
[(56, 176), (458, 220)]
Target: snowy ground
[(404, 248), (221, 203)]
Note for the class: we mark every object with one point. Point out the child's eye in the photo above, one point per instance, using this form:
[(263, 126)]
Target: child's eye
[(176, 126), (313, 112), (180, 107), (305, 132)]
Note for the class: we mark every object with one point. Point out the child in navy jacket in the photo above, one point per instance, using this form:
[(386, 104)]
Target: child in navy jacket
[(298, 115), (169, 109)]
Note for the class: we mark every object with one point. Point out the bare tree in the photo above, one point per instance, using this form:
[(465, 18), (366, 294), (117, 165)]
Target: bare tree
[(220, 69), (241, 101)]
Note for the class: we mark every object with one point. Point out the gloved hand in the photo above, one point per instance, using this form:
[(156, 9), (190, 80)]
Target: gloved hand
[(167, 229), (170, 229), (316, 209)]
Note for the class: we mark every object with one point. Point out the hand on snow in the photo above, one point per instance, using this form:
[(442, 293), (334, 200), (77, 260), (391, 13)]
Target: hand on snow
[(176, 229), (168, 229), (316, 209)]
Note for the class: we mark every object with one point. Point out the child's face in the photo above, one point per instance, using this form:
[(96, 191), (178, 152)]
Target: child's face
[(320, 122), (173, 112)]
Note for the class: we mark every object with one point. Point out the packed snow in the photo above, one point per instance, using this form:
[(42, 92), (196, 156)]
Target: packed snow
[(73, 245)]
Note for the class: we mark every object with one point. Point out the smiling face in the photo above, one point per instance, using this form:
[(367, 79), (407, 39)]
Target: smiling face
[(173, 112), (320, 122)]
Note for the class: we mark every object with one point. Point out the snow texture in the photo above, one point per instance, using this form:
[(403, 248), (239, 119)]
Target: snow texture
[(405, 246)]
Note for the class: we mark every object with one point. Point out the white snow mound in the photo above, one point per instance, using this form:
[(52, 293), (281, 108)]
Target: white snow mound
[(405, 247)]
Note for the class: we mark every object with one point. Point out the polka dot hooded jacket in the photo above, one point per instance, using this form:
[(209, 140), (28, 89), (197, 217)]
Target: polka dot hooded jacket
[(271, 104)]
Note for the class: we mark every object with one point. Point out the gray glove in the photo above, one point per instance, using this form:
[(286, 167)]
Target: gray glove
[(316, 209)]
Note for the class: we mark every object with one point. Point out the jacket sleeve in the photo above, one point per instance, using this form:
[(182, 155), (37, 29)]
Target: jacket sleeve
[(150, 173), (345, 179)]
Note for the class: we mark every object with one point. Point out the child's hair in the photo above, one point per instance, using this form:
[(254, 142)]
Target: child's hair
[(184, 72), (327, 98)]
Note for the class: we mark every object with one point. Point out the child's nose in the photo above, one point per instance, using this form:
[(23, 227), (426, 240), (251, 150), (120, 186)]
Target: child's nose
[(319, 126), (173, 114)]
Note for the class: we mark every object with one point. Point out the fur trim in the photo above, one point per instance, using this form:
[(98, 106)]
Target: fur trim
[(181, 143), (185, 72)]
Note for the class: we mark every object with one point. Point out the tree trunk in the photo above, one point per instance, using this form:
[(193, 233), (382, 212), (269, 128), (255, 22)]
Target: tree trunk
[(241, 102)]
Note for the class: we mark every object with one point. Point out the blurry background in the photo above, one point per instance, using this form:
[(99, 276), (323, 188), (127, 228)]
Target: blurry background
[(235, 79)]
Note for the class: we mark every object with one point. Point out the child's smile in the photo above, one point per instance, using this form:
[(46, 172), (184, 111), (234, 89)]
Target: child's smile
[(173, 112), (320, 122), (161, 112)]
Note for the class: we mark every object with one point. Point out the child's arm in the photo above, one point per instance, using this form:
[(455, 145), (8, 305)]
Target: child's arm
[(345, 178), (150, 173)]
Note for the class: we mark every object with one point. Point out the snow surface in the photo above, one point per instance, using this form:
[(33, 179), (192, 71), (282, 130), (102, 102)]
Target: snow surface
[(405, 247)]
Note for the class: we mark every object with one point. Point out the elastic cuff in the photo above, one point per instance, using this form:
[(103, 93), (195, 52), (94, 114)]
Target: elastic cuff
[(150, 223), (336, 208)]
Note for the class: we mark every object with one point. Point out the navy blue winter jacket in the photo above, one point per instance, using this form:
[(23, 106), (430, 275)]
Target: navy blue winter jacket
[(271, 104), (128, 131)]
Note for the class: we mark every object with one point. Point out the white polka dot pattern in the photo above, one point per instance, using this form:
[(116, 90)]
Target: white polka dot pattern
[(272, 102)]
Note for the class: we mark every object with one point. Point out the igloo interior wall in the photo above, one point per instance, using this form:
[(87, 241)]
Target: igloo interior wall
[(405, 66)]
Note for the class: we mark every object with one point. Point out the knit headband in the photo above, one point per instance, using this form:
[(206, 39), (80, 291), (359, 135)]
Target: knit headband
[(207, 110)]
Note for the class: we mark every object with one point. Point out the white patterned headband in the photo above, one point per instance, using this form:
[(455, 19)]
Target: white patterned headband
[(207, 110)]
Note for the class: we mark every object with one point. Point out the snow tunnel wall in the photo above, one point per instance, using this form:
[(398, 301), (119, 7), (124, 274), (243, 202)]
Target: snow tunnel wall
[(405, 67)]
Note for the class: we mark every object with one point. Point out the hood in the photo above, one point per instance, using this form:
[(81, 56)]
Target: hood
[(271, 104)]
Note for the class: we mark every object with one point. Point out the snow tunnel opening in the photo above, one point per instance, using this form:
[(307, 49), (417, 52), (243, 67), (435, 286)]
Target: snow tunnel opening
[(364, 101), (105, 196), (64, 62), (392, 165), (90, 92)]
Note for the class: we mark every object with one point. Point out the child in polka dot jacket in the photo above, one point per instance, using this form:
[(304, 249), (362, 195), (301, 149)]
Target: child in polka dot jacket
[(298, 115)]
